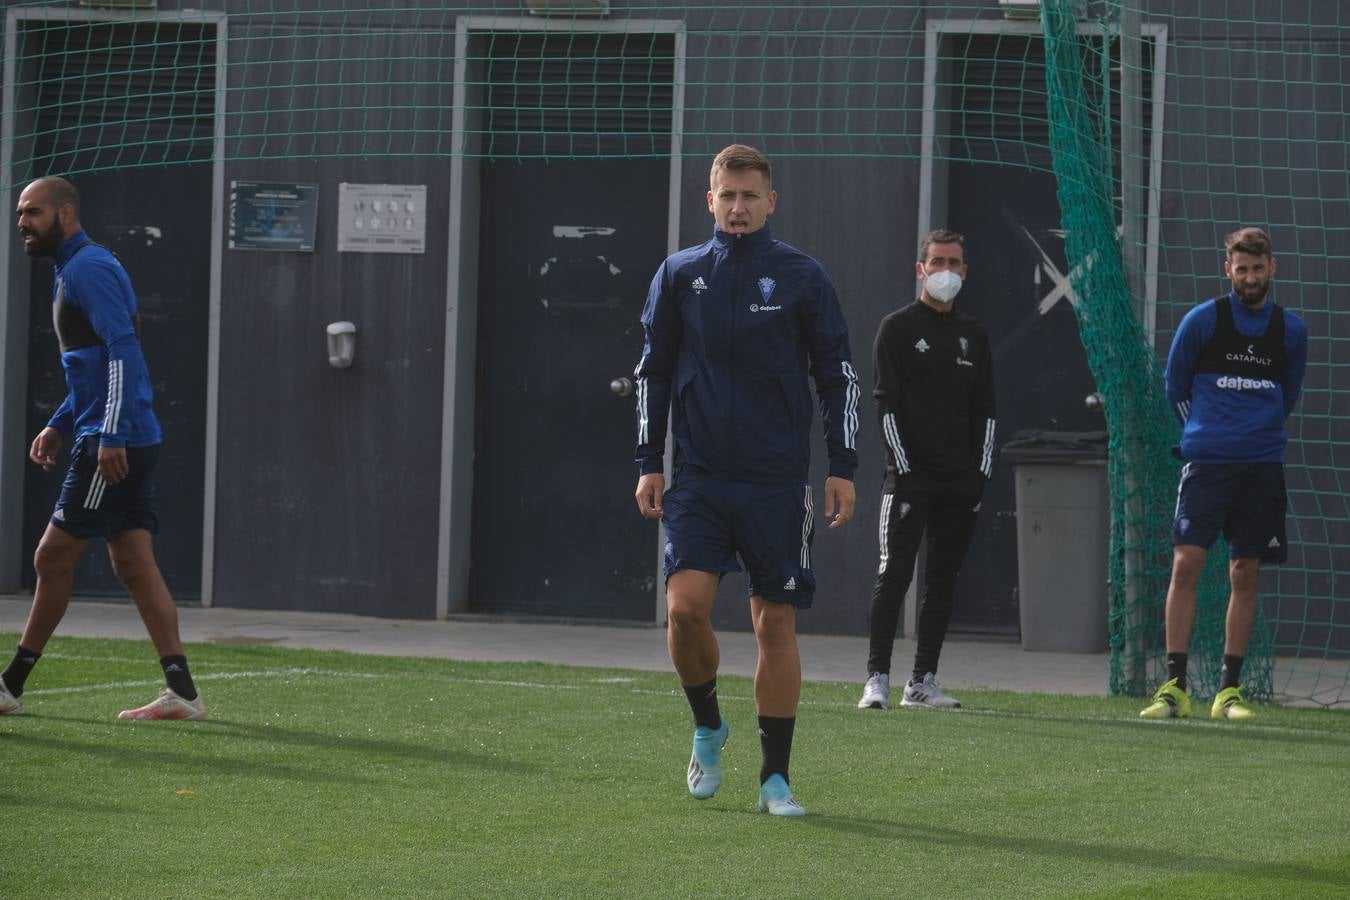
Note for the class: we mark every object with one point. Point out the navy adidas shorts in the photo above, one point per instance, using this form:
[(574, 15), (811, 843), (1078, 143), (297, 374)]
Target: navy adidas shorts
[(1245, 502), (710, 522), (89, 507)]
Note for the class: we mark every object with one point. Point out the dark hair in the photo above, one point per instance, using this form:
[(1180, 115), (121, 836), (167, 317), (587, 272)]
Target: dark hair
[(741, 158), (1248, 240), (942, 236), (60, 192)]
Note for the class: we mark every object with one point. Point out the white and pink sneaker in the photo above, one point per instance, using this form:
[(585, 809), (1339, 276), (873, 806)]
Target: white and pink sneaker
[(9, 704), (168, 705)]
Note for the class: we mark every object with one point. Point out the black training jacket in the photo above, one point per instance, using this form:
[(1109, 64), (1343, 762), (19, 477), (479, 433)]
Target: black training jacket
[(935, 394)]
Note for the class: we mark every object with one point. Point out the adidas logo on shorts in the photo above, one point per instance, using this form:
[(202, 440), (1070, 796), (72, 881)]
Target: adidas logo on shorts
[(59, 515), (791, 585)]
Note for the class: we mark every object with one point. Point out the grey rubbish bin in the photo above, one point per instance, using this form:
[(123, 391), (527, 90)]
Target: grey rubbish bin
[(1063, 517)]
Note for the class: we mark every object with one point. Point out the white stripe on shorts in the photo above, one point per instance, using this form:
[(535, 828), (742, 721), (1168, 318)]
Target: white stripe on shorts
[(95, 495), (808, 522)]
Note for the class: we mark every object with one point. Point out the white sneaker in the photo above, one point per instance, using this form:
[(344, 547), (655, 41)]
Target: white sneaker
[(877, 692), (168, 705), (9, 704), (927, 693)]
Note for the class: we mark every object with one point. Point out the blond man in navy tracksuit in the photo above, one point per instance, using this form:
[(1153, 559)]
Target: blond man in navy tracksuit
[(736, 330)]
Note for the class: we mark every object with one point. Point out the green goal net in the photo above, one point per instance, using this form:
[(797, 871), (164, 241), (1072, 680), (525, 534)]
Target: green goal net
[(1163, 126)]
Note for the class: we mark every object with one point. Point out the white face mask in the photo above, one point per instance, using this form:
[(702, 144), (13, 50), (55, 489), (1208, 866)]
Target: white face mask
[(943, 286)]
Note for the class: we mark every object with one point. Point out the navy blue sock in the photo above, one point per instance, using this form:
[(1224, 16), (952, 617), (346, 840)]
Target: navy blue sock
[(1231, 672), (775, 742), (1176, 668), (703, 701), (16, 673)]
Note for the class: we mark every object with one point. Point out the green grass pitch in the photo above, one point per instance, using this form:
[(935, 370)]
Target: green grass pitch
[(325, 774)]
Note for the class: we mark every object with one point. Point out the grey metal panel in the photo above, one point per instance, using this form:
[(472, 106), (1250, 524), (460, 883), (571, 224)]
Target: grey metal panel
[(327, 480)]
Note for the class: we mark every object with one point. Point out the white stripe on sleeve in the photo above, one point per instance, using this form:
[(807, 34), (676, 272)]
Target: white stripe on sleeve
[(112, 410), (851, 396), (987, 452), (643, 435), (892, 433)]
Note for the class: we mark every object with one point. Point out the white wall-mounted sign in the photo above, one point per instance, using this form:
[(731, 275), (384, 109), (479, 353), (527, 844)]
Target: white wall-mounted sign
[(382, 218)]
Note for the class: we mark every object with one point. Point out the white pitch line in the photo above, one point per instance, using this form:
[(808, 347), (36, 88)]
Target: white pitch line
[(140, 660), (210, 676), (822, 704)]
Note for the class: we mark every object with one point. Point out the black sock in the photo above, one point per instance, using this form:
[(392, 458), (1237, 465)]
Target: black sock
[(1176, 668), (177, 677), (1231, 672), (703, 701), (16, 673), (775, 742)]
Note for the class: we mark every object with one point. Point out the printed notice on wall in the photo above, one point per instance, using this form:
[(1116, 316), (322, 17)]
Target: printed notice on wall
[(270, 216), (382, 218)]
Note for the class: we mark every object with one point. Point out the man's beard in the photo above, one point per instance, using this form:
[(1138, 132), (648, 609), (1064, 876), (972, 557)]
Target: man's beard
[(46, 242), (1253, 301)]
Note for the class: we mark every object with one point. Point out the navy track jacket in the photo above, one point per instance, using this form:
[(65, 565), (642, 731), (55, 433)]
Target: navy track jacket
[(107, 380), (733, 327)]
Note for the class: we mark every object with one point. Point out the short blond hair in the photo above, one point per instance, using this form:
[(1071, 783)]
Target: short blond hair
[(741, 158)]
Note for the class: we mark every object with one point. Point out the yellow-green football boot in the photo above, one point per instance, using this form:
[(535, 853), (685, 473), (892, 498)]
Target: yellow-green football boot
[(1230, 704), (1170, 702)]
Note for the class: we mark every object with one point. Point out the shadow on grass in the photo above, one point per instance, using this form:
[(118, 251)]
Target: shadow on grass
[(437, 754), (1144, 858), (99, 747), (11, 802), (106, 743)]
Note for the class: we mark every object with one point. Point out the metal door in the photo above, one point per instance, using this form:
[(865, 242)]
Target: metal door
[(1018, 287), (568, 251), (157, 221)]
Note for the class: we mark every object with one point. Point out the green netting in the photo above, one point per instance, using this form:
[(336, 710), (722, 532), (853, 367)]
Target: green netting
[(1142, 472), (1165, 126)]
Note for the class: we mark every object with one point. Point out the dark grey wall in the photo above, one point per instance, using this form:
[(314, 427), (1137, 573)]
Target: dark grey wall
[(328, 488)]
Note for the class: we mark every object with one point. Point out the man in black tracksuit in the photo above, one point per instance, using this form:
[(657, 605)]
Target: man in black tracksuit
[(935, 401)]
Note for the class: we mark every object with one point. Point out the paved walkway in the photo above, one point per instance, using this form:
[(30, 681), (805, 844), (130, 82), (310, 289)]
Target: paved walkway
[(965, 664)]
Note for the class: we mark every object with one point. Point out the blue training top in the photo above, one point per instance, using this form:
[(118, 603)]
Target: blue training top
[(1230, 417), (107, 382)]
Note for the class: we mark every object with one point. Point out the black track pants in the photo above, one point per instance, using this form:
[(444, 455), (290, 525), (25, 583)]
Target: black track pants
[(948, 517)]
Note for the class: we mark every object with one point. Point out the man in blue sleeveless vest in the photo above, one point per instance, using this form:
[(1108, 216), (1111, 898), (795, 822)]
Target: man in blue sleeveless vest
[(1234, 374), (109, 423)]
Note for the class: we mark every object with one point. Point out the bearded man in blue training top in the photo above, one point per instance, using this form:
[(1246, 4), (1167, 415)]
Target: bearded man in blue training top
[(109, 424), (1233, 376)]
